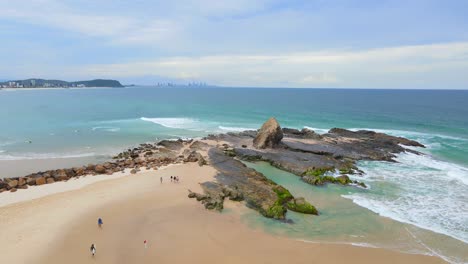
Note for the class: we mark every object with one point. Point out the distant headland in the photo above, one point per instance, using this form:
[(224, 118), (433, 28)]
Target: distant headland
[(42, 83)]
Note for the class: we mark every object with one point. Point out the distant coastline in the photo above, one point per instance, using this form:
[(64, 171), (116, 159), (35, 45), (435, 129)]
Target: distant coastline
[(43, 83)]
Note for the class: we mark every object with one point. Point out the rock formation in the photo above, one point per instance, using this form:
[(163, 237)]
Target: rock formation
[(318, 159), (269, 135)]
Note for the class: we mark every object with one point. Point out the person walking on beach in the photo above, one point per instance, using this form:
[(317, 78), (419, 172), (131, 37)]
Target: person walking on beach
[(93, 249), (160, 179), (99, 222), (145, 243), (171, 178)]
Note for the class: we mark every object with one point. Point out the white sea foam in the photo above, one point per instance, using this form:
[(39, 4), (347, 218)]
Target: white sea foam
[(411, 134), (235, 129), (105, 128), (419, 190), (366, 245), (318, 130), (174, 122)]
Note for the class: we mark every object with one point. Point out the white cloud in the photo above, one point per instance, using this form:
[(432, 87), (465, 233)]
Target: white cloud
[(319, 78), (112, 28), (320, 68)]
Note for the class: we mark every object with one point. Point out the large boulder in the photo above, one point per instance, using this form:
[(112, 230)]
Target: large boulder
[(21, 181), (100, 169), (269, 135), (13, 184), (40, 181)]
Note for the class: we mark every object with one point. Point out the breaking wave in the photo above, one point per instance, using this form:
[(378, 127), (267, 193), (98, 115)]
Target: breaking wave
[(174, 122), (420, 190), (235, 129), (107, 129)]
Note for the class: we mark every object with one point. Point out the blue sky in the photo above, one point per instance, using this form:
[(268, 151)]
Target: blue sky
[(266, 43)]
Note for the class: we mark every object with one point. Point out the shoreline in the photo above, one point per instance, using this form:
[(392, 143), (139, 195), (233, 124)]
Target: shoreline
[(127, 201), (234, 180)]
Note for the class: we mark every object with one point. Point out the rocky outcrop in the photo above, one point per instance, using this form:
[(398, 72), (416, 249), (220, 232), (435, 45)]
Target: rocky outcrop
[(305, 133), (175, 145), (238, 182), (199, 145), (269, 135), (291, 161), (300, 205), (317, 159)]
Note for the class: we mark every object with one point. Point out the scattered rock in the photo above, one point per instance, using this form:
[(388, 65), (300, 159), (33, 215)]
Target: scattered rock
[(31, 181), (40, 181), (13, 184), (21, 181), (100, 169)]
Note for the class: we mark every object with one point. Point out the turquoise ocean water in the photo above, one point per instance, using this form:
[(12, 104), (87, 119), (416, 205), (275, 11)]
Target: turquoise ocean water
[(429, 193)]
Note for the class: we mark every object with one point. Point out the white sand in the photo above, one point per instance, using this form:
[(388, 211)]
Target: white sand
[(34, 192)]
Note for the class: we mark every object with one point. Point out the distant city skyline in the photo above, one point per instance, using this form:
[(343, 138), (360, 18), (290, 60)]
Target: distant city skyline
[(268, 43)]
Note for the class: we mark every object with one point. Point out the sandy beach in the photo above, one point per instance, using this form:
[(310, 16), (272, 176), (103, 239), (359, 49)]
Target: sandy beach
[(60, 227)]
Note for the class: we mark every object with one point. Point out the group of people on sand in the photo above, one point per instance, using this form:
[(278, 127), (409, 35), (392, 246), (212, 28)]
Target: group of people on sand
[(175, 179)]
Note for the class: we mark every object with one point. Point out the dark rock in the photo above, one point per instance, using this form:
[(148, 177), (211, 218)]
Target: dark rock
[(305, 133), (269, 135), (259, 192), (3, 184), (289, 160), (202, 161), (13, 190)]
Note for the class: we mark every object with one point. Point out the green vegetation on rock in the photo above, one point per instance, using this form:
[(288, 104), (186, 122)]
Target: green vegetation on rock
[(283, 194), (276, 211), (300, 205), (317, 172)]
